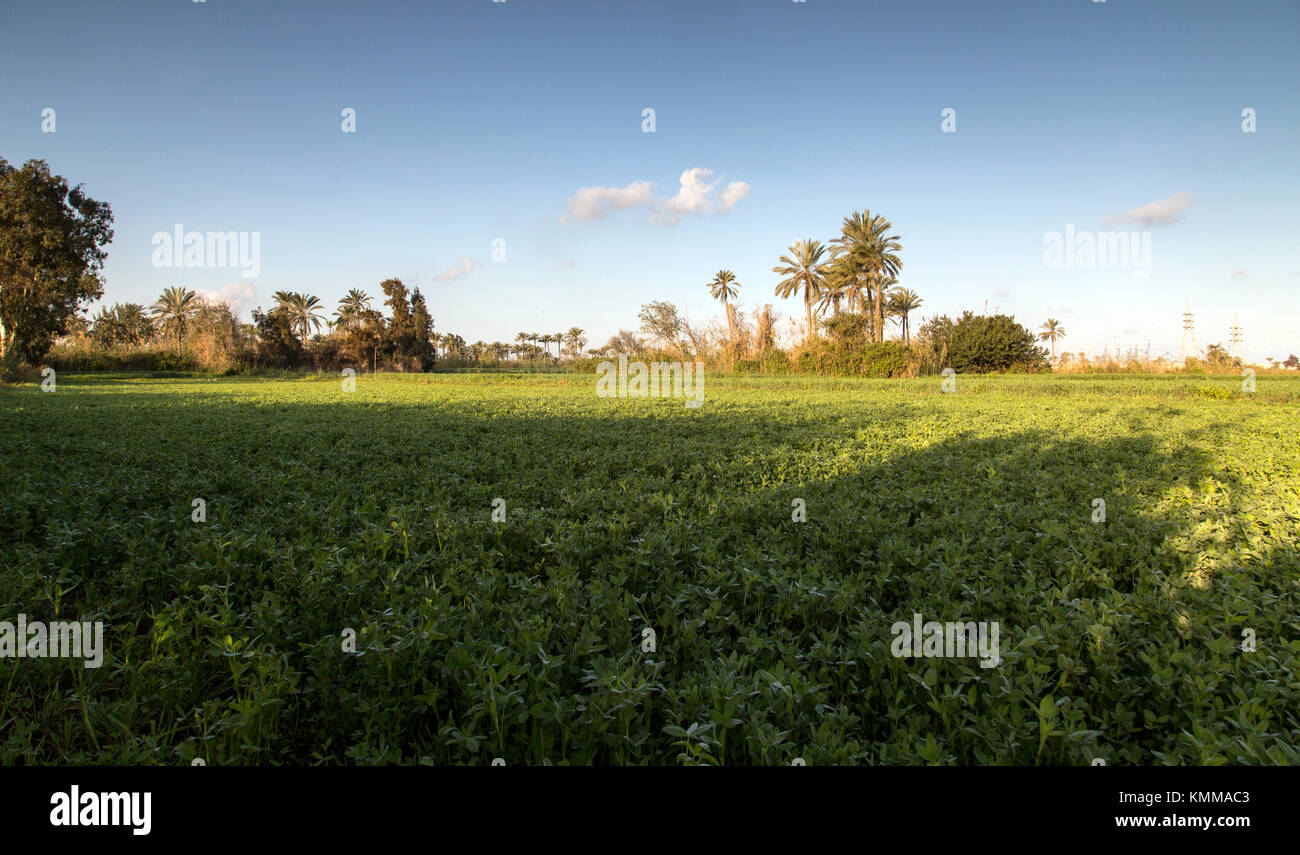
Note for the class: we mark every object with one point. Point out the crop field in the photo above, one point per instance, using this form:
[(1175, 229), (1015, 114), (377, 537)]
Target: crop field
[(439, 569)]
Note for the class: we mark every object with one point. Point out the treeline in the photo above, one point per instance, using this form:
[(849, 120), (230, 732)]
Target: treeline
[(184, 332), (851, 297), (843, 345)]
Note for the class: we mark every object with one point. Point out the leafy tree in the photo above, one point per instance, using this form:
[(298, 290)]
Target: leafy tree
[(1291, 362), (934, 341), (625, 341), (277, 333), (52, 249), (401, 331), (663, 323), (123, 324), (421, 339), (985, 343), (848, 328), (1219, 359)]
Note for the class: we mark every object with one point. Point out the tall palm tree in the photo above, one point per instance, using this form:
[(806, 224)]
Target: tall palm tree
[(353, 303), (174, 307), (832, 294), (846, 282), (576, 340), (1052, 331), (803, 268), (867, 250), (902, 302), (521, 338), (303, 309), (724, 287)]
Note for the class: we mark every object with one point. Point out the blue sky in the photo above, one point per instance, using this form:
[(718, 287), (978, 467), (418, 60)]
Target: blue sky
[(478, 121)]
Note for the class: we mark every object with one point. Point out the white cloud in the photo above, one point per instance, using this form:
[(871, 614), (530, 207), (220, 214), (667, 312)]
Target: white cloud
[(593, 203), (1161, 213), (694, 197), (238, 295), (464, 267), (732, 194), (1240, 274)]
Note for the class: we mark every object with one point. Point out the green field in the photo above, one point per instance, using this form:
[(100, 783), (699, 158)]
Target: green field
[(371, 510)]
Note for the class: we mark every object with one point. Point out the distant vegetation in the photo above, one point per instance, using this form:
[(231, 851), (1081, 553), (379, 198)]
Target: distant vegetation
[(52, 250)]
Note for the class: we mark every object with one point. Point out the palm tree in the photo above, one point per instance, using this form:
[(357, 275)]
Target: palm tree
[(833, 291), (353, 303), (521, 338), (902, 302), (174, 308), (724, 287), (558, 338), (576, 339), (1052, 331), (803, 268), (866, 250), (303, 309)]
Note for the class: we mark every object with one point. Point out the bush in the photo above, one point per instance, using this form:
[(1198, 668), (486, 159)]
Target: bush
[(885, 359), (980, 344), (857, 359), (775, 362), (86, 355)]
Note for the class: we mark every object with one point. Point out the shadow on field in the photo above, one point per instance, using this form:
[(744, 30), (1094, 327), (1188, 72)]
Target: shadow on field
[(525, 639)]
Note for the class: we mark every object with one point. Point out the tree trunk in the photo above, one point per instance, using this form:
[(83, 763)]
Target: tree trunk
[(807, 301)]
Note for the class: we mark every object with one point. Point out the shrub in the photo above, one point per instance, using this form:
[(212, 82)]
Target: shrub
[(885, 359), (775, 361), (980, 344)]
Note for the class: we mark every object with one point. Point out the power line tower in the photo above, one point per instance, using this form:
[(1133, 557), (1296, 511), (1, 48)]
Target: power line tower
[(1189, 347), (1235, 347)]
